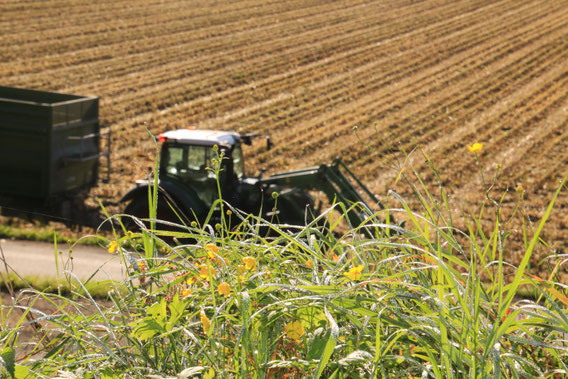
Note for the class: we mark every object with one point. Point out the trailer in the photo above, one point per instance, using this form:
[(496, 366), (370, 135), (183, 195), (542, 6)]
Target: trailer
[(50, 151)]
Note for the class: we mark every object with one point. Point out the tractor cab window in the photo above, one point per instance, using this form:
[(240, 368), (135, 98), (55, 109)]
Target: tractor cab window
[(189, 164), (238, 162)]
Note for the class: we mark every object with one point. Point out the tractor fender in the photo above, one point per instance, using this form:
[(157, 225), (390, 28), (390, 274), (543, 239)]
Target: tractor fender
[(184, 200)]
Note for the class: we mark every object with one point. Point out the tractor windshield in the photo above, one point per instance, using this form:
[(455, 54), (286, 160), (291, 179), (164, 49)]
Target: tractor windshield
[(189, 164)]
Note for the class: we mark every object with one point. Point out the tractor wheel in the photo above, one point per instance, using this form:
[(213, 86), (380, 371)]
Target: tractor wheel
[(138, 208)]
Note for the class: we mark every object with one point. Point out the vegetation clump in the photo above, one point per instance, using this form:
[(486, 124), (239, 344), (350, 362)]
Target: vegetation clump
[(422, 300)]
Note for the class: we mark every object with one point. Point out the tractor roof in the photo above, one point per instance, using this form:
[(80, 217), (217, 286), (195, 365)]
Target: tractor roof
[(201, 137)]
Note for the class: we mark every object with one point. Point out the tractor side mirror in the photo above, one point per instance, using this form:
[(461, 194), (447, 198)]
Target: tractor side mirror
[(247, 139), (268, 143)]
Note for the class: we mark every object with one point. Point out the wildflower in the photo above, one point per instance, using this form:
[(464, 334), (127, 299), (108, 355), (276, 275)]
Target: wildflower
[(309, 263), (192, 280), (355, 273), (112, 247), (186, 292), (206, 272), (212, 249), (224, 289), (250, 263), (475, 148), (212, 252), (205, 322), (335, 257), (141, 266), (294, 330), (520, 189)]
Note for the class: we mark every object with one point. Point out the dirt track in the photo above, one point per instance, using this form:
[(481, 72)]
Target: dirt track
[(38, 259)]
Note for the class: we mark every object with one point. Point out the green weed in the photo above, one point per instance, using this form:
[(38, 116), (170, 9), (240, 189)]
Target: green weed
[(424, 300)]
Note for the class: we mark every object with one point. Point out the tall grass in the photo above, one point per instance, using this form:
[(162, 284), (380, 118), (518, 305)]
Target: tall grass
[(423, 300)]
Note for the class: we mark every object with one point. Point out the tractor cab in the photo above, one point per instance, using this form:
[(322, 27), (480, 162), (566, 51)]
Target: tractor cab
[(188, 183), (187, 157)]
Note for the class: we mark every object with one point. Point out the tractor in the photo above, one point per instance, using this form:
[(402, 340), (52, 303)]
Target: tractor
[(188, 185)]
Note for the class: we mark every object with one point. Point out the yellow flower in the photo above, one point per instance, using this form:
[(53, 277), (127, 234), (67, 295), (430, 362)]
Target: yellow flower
[(224, 289), (192, 280), (476, 147), (310, 263), (112, 247), (141, 266), (206, 272), (212, 250), (294, 330), (355, 273), (205, 322), (186, 292), (250, 263), (520, 188)]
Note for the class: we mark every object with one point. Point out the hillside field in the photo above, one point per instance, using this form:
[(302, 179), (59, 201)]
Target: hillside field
[(363, 80)]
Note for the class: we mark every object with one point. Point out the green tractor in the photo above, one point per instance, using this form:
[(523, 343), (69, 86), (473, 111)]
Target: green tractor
[(188, 186)]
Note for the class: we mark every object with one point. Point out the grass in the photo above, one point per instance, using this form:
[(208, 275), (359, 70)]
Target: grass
[(423, 300), (48, 285), (44, 233)]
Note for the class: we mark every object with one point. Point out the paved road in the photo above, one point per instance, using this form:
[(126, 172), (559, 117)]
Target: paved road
[(38, 259)]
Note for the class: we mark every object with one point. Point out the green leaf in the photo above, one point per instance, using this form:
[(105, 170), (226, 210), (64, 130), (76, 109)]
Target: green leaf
[(327, 351), (512, 290), (176, 308), (159, 312), (317, 344), (209, 374), (22, 372), (8, 362), (146, 329)]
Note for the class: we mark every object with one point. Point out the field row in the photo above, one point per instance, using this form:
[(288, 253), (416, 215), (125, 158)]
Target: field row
[(180, 82), (278, 85)]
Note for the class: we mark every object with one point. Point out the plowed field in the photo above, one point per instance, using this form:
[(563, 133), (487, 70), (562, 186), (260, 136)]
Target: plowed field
[(433, 74)]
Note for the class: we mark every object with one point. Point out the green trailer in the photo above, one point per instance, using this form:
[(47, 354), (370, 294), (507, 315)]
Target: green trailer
[(50, 146)]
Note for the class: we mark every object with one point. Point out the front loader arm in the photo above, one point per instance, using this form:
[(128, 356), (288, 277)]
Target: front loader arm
[(331, 180)]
